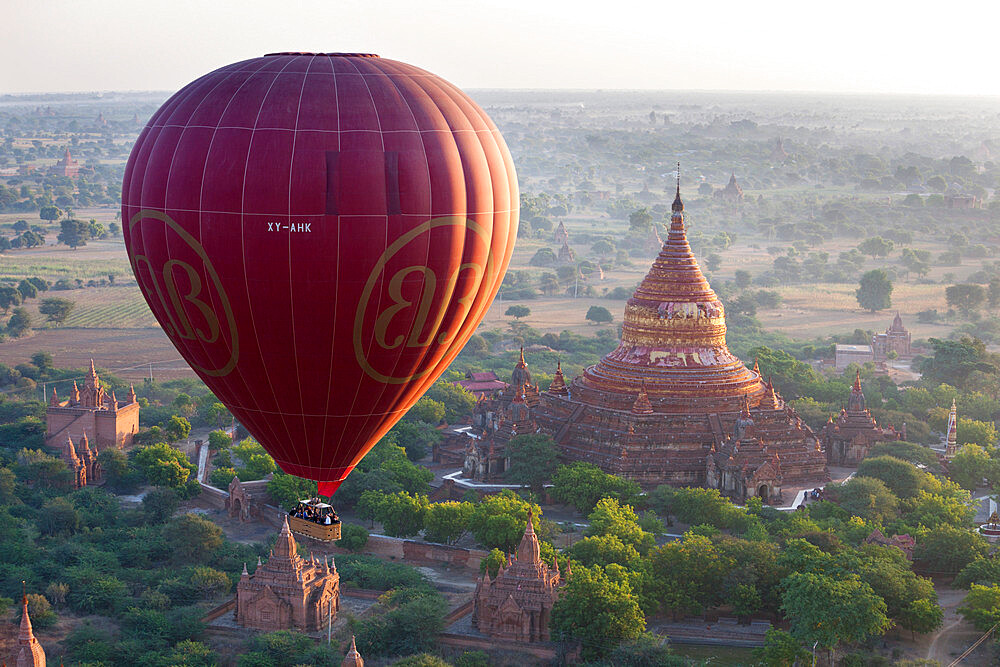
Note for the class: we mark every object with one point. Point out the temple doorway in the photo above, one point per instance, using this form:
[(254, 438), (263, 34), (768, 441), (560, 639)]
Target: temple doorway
[(237, 509), (762, 492)]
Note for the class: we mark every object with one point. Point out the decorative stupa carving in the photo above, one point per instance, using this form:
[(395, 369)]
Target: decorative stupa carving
[(653, 409)]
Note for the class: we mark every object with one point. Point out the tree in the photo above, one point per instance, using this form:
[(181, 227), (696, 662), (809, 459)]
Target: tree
[(447, 522), (401, 514), (20, 226), (74, 233), (219, 440), (970, 466), (192, 539), (165, 466), (58, 516), (533, 458), (599, 315), (612, 518), (55, 308), (640, 221), (596, 611), (781, 649), (902, 477), (832, 610), (19, 322), (543, 257), (178, 428), (498, 520), (922, 616), (876, 246), (713, 261), (353, 537), (410, 625), (27, 289), (868, 498), (966, 298), (427, 410), (875, 291), (517, 311), (9, 296), (583, 484), (947, 550), (982, 606), (43, 360), (159, 504), (416, 437), (603, 550), (50, 213)]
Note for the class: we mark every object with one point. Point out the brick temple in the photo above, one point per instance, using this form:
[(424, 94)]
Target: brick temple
[(517, 604), (848, 438), (288, 592), (671, 403), (92, 412)]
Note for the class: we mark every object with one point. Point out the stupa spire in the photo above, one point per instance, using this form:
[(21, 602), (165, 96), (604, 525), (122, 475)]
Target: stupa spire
[(528, 551), (30, 653), (285, 546), (353, 658), (857, 381)]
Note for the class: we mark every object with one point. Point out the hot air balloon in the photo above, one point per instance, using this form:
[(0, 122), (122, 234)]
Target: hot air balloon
[(319, 235)]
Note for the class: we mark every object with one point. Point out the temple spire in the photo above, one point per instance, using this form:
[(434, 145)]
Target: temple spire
[(678, 205), (353, 658), (857, 381), (528, 551), (285, 546), (30, 653)]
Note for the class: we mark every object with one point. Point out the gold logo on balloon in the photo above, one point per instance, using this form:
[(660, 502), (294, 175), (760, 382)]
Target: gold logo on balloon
[(178, 305), (427, 310)]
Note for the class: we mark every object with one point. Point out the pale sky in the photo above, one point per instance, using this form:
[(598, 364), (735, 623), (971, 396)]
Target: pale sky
[(806, 45)]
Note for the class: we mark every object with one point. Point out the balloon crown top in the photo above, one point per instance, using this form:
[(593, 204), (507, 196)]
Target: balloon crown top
[(329, 55)]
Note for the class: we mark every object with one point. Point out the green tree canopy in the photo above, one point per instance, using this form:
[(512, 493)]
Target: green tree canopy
[(875, 291), (533, 460), (596, 611)]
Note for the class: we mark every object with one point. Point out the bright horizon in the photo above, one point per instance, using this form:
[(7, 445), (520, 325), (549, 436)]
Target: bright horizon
[(53, 46)]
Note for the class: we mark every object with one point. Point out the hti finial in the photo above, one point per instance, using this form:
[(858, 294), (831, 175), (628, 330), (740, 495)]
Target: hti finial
[(678, 205)]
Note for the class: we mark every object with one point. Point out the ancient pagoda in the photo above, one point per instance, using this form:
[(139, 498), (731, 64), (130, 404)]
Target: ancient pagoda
[(653, 409), (516, 605), (92, 412), (288, 591), (848, 438), (29, 651)]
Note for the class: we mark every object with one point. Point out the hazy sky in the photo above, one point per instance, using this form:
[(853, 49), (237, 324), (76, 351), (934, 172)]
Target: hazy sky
[(872, 46)]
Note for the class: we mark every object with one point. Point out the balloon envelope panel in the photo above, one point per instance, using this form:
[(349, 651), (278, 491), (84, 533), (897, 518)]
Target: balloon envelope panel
[(319, 235)]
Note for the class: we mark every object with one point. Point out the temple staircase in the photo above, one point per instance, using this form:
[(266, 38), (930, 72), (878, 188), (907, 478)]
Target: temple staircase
[(580, 407), (716, 423)]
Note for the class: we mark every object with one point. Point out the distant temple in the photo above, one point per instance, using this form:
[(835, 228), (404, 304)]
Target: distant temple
[(288, 591), (778, 154), (516, 606), (90, 412), (84, 466), (663, 407), (904, 542), (561, 236), (895, 339), (29, 651), (67, 166), (848, 439), (496, 421), (732, 193), (566, 254)]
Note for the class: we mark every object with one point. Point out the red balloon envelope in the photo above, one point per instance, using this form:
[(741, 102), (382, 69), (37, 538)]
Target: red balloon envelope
[(319, 235)]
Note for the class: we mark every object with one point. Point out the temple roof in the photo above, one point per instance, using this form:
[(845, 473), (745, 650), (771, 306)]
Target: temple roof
[(528, 551), (30, 653), (674, 334), (353, 658)]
